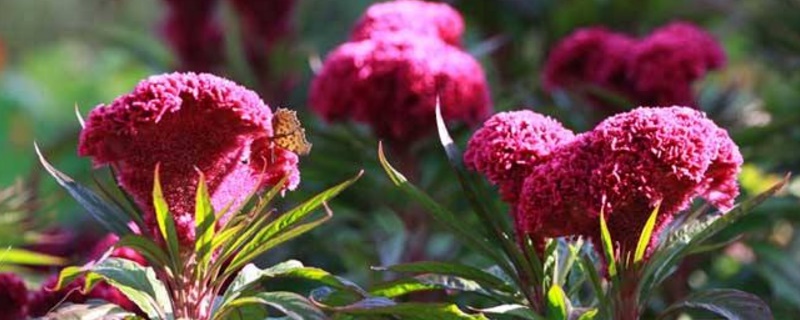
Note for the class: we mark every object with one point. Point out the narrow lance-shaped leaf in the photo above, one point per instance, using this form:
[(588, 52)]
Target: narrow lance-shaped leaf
[(646, 235), (205, 221), (608, 247), (452, 269), (111, 217), (165, 223), (557, 304)]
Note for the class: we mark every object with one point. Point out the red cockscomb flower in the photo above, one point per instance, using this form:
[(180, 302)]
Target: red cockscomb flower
[(13, 297), (392, 84), (656, 70), (45, 299), (194, 34), (510, 144), (437, 20), (188, 123), (629, 163), (663, 66), (122, 252)]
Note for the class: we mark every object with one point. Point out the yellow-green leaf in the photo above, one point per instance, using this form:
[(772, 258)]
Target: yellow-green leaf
[(608, 247), (646, 235)]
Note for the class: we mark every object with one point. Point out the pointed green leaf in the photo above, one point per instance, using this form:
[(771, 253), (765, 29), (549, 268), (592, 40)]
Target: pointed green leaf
[(646, 235), (557, 304), (407, 311), (165, 223), (608, 247), (27, 257), (67, 275), (110, 216), (293, 305), (154, 254), (588, 315), (514, 310), (728, 303), (90, 311), (452, 269), (204, 221), (137, 283)]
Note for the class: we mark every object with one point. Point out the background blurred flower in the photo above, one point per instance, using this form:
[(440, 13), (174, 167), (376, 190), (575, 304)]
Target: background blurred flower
[(392, 84), (13, 297), (437, 20), (510, 144), (657, 70), (194, 34), (45, 299), (626, 165), (188, 123)]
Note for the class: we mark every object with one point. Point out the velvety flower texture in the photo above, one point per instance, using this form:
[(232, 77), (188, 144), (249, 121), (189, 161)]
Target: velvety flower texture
[(13, 297), (194, 34), (188, 123), (45, 299), (656, 70), (629, 163), (423, 18), (510, 144)]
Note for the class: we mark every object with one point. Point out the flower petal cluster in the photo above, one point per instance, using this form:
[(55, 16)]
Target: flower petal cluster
[(391, 79), (13, 297), (187, 124), (511, 143), (656, 70), (423, 18), (624, 167)]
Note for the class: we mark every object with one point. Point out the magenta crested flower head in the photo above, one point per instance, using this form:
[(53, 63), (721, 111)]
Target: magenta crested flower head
[(437, 20), (188, 124), (392, 83), (655, 70), (589, 56), (510, 144), (626, 166), (663, 66), (13, 297)]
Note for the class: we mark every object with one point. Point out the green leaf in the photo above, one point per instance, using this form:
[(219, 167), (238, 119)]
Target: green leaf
[(728, 303), (427, 282), (407, 311), (204, 221), (557, 304), (452, 269), (588, 315), (165, 223), (291, 304), (494, 223), (154, 254), (646, 235), (110, 216), (137, 283), (286, 227), (67, 275), (27, 257), (608, 247), (443, 216), (515, 310), (90, 311)]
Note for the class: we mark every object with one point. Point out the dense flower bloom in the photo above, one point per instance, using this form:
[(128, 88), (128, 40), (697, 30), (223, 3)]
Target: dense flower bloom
[(663, 66), (187, 123), (626, 165), (13, 297), (45, 299), (392, 83), (194, 34), (656, 70), (423, 18), (510, 144)]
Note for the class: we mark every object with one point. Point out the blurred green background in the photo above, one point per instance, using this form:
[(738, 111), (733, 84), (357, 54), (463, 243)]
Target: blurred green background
[(57, 54)]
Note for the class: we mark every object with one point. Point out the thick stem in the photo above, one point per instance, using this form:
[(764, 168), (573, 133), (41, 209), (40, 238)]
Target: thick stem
[(414, 218), (627, 304)]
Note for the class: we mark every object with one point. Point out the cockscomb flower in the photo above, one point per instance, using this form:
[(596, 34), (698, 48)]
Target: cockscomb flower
[(590, 56), (392, 84), (626, 166), (437, 20), (13, 297), (663, 66), (655, 70), (46, 299), (187, 124), (194, 34), (510, 144), (109, 241)]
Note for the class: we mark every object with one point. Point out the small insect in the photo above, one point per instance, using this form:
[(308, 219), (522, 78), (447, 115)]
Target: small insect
[(289, 133)]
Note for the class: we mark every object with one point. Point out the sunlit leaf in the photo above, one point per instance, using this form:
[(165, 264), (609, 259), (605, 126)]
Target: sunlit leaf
[(165, 223), (27, 257), (515, 310), (204, 221), (137, 283), (608, 247), (291, 304), (646, 235), (452, 269), (557, 304)]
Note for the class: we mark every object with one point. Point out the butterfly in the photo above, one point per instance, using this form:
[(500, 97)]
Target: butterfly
[(289, 133)]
